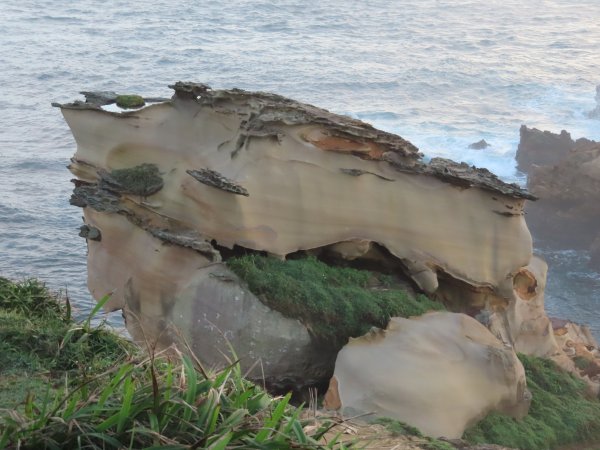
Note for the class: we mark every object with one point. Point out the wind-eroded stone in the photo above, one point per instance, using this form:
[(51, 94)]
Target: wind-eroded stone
[(158, 183), (440, 372)]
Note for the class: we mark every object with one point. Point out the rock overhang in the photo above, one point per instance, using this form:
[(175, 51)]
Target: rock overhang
[(252, 170)]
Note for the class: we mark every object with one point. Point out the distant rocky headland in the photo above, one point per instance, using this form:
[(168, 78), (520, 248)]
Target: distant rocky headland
[(565, 174), (226, 218)]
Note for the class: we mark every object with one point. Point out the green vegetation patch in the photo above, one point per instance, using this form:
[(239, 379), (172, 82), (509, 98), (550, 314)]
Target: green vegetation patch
[(335, 303), (28, 298), (68, 385), (143, 180), (162, 404), (40, 344), (129, 101), (560, 412)]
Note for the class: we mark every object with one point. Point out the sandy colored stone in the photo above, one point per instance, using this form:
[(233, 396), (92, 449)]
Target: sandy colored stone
[(261, 172), (440, 372)]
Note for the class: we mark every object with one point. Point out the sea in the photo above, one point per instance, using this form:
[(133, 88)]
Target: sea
[(441, 73)]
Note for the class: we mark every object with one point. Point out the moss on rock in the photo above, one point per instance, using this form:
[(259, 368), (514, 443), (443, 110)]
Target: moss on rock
[(130, 101), (143, 180), (335, 303)]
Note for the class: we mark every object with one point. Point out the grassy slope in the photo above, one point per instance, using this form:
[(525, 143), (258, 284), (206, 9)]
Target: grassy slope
[(65, 385), (42, 352), (335, 303), (40, 344), (560, 412), (340, 302)]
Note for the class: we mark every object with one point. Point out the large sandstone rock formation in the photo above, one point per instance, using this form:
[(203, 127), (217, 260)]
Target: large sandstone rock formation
[(441, 372), (565, 175), (170, 190)]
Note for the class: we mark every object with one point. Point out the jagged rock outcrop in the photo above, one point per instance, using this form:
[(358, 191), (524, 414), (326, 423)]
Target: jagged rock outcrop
[(542, 147), (479, 145), (567, 181), (440, 372), (174, 187)]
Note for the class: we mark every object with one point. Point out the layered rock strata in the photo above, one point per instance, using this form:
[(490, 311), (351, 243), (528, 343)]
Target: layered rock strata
[(174, 187)]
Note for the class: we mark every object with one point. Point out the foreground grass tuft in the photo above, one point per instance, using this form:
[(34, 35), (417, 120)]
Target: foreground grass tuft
[(560, 412), (333, 302), (40, 344), (69, 386), (157, 403)]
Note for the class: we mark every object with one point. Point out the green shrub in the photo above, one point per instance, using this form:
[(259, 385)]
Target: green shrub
[(333, 302), (560, 412), (397, 428)]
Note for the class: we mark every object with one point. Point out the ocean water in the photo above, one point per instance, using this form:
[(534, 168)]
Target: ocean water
[(441, 73)]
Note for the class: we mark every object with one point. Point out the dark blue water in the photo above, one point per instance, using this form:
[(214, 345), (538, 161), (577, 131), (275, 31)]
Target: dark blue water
[(442, 73)]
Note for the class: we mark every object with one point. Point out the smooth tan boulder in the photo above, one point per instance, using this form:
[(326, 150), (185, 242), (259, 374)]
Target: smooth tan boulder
[(440, 372)]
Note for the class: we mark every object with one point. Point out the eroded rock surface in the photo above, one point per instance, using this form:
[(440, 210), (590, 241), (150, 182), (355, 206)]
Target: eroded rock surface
[(440, 372), (174, 186)]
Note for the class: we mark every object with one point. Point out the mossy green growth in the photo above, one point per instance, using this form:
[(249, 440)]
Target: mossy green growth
[(129, 101), (560, 412), (335, 303), (143, 180)]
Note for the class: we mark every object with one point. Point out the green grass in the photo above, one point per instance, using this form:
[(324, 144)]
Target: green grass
[(560, 412), (333, 302), (40, 343), (158, 403), (130, 101), (65, 385)]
